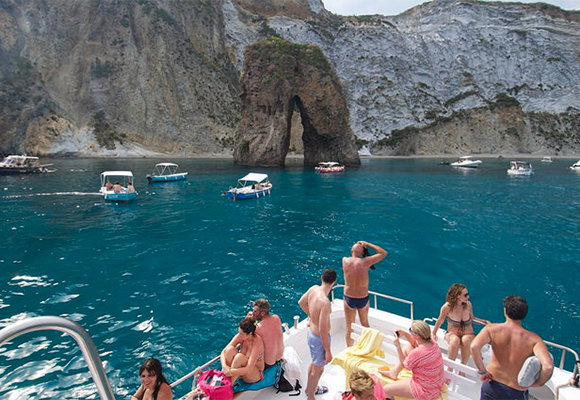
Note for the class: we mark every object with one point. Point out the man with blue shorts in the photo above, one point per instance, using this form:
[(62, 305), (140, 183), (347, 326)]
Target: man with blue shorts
[(356, 283), (511, 345), (316, 305)]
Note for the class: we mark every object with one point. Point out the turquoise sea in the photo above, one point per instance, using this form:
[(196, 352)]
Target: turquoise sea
[(171, 275)]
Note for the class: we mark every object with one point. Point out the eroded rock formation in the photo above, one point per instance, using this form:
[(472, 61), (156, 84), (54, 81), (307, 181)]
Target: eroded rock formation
[(278, 78)]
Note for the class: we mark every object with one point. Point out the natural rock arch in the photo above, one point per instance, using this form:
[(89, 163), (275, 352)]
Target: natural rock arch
[(277, 77)]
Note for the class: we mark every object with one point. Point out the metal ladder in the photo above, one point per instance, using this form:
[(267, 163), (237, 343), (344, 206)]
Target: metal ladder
[(82, 337)]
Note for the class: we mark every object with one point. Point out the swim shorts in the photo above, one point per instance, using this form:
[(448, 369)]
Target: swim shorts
[(498, 391), (317, 351), (356, 302)]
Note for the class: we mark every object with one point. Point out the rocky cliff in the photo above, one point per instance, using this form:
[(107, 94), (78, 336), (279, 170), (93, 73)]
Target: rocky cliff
[(131, 76), (278, 79), (94, 77)]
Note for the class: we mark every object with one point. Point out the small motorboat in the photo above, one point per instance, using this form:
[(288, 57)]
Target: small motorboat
[(329, 166), (466, 162), (118, 186), (520, 168), (250, 186), (166, 172), (547, 160), (19, 164), (576, 165)]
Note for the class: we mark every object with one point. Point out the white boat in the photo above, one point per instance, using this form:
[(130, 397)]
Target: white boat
[(166, 172), (520, 168), (546, 159), (576, 165), (329, 167), (463, 380), (124, 194), (466, 162), (250, 186), (21, 164)]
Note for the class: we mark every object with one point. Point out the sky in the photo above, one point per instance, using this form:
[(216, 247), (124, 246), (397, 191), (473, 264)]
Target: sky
[(395, 7)]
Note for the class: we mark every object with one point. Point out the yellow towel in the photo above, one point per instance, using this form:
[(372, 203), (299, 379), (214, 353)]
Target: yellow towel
[(368, 345), (363, 352), (362, 356)]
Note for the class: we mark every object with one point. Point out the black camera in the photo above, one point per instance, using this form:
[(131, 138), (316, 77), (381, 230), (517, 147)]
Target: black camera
[(366, 254)]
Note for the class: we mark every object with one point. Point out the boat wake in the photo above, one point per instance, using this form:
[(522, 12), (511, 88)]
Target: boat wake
[(18, 196)]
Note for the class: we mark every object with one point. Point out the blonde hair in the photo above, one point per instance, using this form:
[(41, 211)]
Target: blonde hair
[(422, 329), (360, 382)]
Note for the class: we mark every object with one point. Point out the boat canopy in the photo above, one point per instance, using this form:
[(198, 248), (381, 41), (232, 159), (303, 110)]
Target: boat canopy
[(328, 163), (254, 177), (520, 163), (126, 175), (17, 159), (117, 173), (166, 164)]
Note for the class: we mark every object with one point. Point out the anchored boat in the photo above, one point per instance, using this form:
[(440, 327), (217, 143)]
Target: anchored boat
[(329, 166), (520, 168), (466, 162), (250, 186), (463, 380), (166, 172), (118, 186), (18, 164)]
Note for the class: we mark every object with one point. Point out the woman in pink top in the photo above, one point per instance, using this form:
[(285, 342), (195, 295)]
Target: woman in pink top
[(423, 358)]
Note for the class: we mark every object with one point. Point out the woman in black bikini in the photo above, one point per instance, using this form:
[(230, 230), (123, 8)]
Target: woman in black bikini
[(459, 313), (248, 363)]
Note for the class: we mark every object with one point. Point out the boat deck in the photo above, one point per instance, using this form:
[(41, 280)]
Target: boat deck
[(461, 387)]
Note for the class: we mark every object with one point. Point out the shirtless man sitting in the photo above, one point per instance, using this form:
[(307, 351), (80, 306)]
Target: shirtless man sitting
[(356, 284), (511, 345), (270, 330)]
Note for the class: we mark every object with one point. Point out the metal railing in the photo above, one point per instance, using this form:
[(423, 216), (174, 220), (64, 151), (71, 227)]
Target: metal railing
[(79, 334), (565, 350), (376, 295)]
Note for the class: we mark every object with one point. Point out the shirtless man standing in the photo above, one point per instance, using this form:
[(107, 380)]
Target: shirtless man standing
[(356, 284), (511, 345), (316, 305), (270, 330)]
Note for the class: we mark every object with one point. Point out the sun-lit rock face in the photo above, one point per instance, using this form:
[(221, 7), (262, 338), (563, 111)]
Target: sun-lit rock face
[(278, 79), (138, 77)]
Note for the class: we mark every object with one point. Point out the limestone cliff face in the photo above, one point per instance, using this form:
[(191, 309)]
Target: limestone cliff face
[(423, 68), (111, 77), (157, 72), (279, 77)]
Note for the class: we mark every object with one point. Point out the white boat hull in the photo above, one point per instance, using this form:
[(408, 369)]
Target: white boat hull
[(467, 164)]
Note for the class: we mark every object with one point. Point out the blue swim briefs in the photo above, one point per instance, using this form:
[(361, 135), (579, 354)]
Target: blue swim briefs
[(356, 302), (317, 351), (498, 391)]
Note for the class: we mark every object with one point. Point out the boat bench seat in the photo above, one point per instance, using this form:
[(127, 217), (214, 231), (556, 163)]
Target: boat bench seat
[(452, 368)]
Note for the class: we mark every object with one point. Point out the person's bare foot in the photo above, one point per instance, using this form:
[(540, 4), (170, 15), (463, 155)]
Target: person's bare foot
[(390, 374)]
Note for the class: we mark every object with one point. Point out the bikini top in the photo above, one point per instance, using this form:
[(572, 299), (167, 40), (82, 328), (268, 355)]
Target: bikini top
[(261, 355), (461, 323)]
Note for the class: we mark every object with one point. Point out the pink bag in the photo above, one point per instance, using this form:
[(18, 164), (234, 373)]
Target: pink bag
[(216, 385)]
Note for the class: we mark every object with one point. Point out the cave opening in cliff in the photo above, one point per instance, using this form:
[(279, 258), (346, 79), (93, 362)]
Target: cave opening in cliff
[(302, 135), (296, 130)]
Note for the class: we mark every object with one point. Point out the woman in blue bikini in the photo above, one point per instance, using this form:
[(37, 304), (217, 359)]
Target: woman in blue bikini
[(459, 314)]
